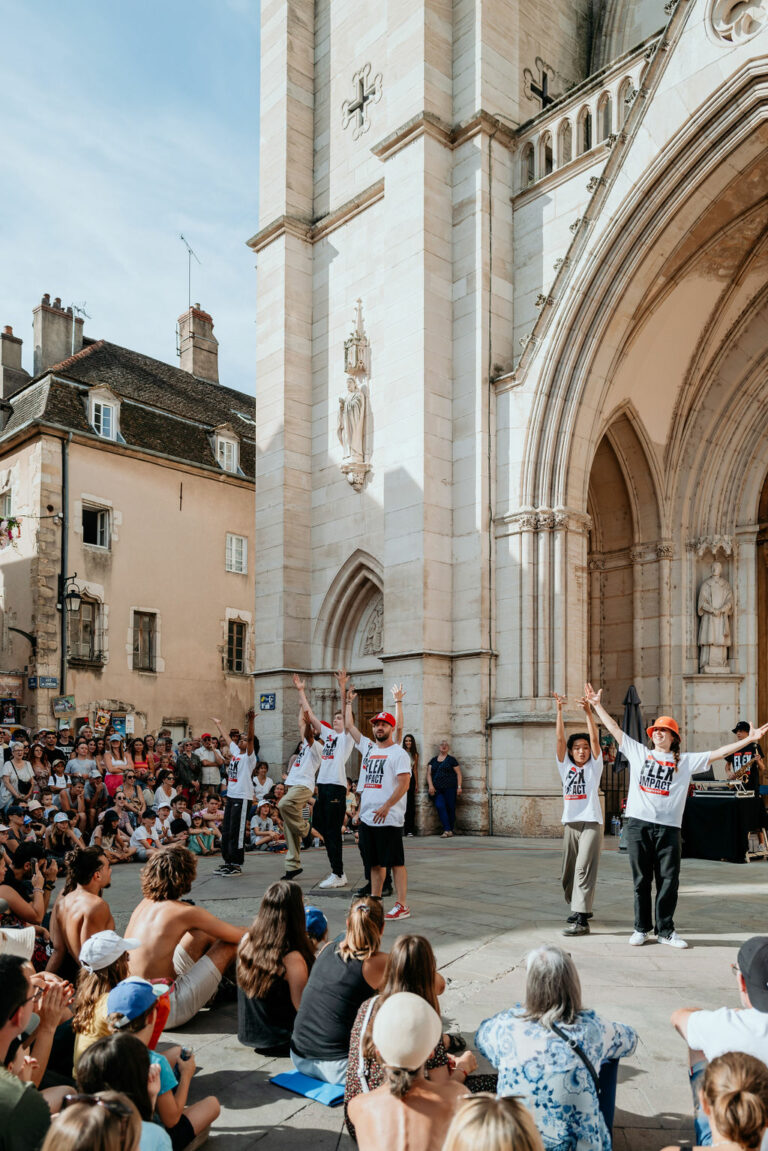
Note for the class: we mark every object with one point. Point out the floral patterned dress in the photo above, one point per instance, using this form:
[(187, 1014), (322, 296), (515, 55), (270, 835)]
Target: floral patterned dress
[(556, 1087)]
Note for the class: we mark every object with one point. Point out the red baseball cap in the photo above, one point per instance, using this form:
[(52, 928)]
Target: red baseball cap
[(384, 717), (206, 735)]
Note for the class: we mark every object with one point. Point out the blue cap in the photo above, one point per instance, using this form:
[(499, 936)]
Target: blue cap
[(132, 997), (317, 924)]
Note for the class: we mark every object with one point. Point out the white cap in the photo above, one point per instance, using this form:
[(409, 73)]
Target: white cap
[(17, 941), (61, 817), (103, 948), (406, 1031)]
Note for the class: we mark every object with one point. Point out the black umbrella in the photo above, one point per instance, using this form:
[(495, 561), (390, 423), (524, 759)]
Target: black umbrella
[(632, 725)]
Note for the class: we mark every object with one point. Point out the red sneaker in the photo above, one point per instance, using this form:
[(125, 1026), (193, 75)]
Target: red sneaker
[(399, 912)]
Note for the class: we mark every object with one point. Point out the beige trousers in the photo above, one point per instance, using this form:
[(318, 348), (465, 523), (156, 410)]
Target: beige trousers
[(582, 843), (296, 826)]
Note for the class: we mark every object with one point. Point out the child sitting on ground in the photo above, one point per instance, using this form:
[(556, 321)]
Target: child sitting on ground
[(132, 1009), (317, 927)]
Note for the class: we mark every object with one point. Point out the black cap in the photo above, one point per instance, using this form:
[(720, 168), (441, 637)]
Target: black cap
[(742, 725), (753, 965)]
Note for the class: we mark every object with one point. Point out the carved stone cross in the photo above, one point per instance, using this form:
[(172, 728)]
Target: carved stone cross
[(367, 91), (536, 89)]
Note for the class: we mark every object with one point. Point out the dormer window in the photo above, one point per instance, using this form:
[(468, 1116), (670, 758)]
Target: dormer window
[(227, 449), (104, 414)]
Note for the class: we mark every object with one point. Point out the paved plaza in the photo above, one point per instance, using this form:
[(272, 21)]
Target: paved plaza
[(483, 903)]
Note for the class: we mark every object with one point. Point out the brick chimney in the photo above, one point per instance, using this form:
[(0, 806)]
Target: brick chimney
[(198, 347), (12, 375), (56, 336)]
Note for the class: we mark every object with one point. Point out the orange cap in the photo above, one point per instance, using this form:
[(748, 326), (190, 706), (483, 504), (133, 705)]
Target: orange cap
[(666, 722)]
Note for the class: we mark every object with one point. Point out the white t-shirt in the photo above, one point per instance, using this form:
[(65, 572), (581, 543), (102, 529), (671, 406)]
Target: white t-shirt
[(657, 792), (379, 773), (262, 789), (304, 770), (580, 790), (240, 770), (161, 796), (143, 838), (337, 749), (717, 1032), (161, 828)]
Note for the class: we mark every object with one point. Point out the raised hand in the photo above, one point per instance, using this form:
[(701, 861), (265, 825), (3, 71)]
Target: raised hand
[(398, 693), (342, 677), (559, 699), (351, 694), (251, 713), (298, 683), (591, 696)]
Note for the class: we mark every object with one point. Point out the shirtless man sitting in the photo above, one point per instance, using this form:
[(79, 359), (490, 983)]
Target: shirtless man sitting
[(80, 911), (180, 942)]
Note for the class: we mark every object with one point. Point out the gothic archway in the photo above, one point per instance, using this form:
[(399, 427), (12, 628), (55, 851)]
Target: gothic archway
[(350, 624)]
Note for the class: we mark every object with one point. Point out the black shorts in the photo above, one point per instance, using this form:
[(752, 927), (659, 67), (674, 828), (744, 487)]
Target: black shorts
[(381, 846)]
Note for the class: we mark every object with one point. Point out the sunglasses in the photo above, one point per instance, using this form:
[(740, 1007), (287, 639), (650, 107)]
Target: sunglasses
[(114, 1106)]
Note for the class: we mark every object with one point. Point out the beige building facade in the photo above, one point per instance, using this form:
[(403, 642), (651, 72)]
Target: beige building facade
[(512, 369), (134, 480)]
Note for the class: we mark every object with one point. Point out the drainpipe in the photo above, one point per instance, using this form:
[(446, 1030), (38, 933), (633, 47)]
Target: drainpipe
[(64, 560)]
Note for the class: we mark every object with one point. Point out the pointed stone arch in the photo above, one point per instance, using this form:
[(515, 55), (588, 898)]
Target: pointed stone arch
[(350, 622)]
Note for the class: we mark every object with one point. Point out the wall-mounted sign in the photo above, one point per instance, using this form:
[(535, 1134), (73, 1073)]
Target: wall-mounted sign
[(34, 681), (63, 705), (267, 701)]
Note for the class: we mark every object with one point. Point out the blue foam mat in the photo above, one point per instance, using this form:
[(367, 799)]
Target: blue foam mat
[(331, 1094)]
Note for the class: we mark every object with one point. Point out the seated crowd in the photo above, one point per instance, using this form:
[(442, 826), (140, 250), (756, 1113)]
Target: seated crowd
[(84, 1009)]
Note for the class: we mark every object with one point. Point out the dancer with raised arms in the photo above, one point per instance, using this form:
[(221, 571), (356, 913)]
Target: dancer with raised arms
[(659, 778), (580, 764)]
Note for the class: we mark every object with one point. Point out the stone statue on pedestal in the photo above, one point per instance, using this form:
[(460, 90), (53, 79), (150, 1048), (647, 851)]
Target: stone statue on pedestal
[(715, 608), (353, 407), (351, 429)]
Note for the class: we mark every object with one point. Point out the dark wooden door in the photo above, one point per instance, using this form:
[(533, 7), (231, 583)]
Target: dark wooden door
[(368, 704)]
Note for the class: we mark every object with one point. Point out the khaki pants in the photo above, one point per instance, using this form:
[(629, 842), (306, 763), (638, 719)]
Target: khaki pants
[(582, 843), (296, 826)]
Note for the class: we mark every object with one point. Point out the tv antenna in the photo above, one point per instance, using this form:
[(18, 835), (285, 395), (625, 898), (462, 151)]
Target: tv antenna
[(78, 310), (190, 253)]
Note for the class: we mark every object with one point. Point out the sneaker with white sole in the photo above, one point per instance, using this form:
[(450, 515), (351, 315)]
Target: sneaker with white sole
[(334, 880), (673, 940), (399, 911), (638, 938)]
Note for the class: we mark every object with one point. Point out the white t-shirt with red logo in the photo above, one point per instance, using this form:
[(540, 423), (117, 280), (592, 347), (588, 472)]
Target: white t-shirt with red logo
[(581, 801), (657, 793), (379, 774), (337, 748), (304, 770)]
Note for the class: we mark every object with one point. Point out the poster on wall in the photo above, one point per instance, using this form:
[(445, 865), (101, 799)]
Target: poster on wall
[(103, 717), (130, 724), (63, 705), (118, 723)]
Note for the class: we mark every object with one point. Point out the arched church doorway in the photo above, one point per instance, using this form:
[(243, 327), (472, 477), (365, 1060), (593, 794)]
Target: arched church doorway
[(762, 606)]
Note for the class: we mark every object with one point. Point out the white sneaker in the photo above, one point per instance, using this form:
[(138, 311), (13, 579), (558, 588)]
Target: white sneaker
[(334, 881), (673, 940), (638, 938)]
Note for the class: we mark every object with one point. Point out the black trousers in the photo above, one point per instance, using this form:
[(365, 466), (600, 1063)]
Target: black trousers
[(409, 826), (654, 854), (233, 829), (328, 817)]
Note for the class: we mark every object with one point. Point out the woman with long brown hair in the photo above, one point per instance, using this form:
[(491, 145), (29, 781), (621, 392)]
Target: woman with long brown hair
[(273, 964), (344, 975), (411, 967)]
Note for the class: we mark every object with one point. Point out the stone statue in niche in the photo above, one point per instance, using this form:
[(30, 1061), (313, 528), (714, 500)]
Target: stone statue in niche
[(715, 608), (351, 428), (373, 641), (353, 405)]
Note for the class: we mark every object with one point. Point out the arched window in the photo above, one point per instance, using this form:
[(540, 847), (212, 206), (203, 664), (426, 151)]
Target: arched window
[(546, 156), (604, 116), (625, 101), (585, 131), (565, 143), (528, 165)]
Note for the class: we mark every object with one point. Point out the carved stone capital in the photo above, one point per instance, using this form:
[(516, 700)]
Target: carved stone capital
[(712, 544), (356, 474), (596, 562), (665, 551)]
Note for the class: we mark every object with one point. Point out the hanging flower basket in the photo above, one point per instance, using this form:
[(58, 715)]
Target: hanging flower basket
[(10, 530)]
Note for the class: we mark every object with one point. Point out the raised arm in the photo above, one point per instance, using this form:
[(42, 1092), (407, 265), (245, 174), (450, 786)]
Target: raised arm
[(398, 692), (343, 679), (594, 735), (561, 745), (349, 721), (300, 686), (593, 698), (250, 715), (732, 748)]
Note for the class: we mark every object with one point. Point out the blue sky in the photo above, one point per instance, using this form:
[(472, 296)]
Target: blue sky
[(123, 125)]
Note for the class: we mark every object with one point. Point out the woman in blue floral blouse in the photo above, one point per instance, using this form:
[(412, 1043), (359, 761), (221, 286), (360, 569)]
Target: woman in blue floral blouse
[(537, 1064)]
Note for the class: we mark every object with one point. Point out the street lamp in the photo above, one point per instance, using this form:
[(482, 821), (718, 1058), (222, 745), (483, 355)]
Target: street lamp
[(72, 598)]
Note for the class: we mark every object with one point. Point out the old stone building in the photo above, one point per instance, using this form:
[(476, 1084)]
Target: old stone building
[(512, 368), (133, 485)]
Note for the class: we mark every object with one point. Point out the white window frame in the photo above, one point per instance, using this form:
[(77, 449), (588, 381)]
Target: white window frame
[(100, 409), (103, 532), (6, 504), (236, 554), (227, 454)]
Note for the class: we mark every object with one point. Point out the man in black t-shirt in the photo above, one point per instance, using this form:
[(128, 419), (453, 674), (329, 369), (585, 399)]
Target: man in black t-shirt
[(747, 765)]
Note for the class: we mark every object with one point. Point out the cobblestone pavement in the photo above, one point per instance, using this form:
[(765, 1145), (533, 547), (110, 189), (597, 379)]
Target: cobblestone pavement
[(483, 903)]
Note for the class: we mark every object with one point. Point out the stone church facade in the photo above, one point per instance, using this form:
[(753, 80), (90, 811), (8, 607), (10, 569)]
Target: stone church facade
[(512, 369)]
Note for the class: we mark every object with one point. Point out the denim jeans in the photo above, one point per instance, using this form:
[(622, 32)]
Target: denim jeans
[(329, 1070), (445, 802), (700, 1121)]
